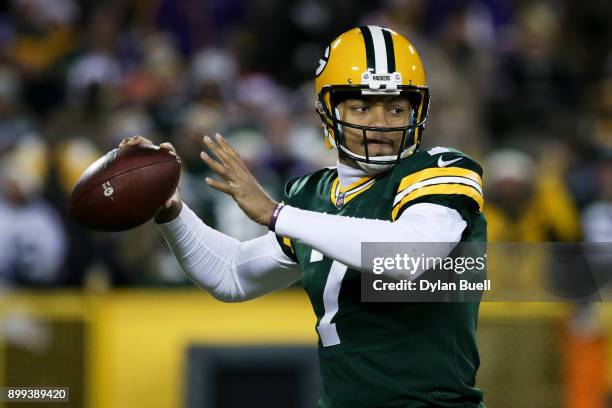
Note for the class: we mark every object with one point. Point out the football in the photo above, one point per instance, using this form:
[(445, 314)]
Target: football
[(124, 188)]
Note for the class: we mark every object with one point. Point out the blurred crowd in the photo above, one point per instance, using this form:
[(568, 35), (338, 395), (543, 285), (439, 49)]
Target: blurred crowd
[(525, 87)]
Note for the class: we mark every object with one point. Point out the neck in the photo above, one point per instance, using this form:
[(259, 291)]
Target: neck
[(348, 162), (348, 174)]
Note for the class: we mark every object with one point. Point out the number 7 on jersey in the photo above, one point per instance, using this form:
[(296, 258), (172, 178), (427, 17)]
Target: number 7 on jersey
[(327, 329)]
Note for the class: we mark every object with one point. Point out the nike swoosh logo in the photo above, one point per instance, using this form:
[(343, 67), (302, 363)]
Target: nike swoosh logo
[(444, 163)]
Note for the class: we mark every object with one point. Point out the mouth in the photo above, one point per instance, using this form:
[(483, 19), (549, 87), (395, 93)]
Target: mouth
[(373, 142)]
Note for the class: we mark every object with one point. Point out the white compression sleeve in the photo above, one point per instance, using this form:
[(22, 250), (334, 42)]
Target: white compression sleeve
[(228, 269), (340, 237)]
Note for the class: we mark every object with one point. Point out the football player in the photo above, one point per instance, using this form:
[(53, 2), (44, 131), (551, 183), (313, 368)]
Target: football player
[(373, 102)]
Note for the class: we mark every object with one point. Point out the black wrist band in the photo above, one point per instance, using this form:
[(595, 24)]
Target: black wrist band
[(274, 217)]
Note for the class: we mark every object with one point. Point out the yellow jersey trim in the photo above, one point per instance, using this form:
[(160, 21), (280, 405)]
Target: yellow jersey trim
[(439, 189), (340, 196), (437, 172), (287, 243)]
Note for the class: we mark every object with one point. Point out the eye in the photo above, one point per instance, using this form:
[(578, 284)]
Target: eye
[(397, 110), (360, 108)]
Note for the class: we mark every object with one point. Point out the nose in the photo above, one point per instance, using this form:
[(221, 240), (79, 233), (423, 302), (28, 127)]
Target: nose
[(377, 116)]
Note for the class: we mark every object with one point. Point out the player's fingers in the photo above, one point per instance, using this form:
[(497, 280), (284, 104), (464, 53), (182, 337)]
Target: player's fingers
[(170, 201), (214, 165), (232, 154), (168, 146), (138, 140), (219, 185), (174, 199), (224, 145), (216, 150)]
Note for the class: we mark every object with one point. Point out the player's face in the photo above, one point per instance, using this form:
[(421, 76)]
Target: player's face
[(376, 111)]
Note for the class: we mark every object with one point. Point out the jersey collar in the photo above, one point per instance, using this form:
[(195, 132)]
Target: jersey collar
[(349, 175), (349, 184)]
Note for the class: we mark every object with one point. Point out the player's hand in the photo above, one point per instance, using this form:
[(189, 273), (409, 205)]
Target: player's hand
[(172, 207), (237, 180)]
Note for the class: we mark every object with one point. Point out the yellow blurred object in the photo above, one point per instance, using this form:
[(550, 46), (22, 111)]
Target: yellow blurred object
[(548, 215), (27, 165), (39, 53), (73, 157)]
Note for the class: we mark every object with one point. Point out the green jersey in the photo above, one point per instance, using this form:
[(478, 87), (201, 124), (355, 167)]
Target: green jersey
[(407, 355)]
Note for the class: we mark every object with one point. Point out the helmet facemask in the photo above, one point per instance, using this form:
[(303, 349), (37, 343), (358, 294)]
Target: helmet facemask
[(327, 107)]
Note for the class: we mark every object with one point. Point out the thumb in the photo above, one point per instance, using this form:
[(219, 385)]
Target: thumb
[(174, 199)]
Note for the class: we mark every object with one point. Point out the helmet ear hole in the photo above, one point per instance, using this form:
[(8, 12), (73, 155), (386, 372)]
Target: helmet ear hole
[(338, 131), (415, 100), (329, 137), (414, 119), (319, 107)]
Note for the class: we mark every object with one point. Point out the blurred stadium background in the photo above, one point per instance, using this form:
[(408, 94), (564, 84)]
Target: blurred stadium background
[(523, 86)]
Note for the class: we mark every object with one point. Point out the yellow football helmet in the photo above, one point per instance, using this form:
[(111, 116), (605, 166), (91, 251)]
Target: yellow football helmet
[(371, 60)]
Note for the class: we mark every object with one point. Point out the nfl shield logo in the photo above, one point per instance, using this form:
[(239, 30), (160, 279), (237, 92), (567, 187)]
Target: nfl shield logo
[(340, 200)]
